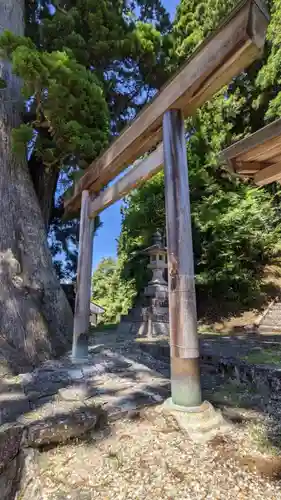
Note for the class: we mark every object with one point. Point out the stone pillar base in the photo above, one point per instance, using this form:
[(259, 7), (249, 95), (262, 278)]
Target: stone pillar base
[(201, 423), (79, 361)]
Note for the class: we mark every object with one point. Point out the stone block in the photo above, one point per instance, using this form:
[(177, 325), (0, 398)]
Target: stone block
[(90, 371), (124, 327), (44, 383), (51, 365), (131, 400), (9, 479), (10, 442), (59, 421), (201, 423), (151, 329), (12, 406), (41, 391), (29, 487), (75, 374), (78, 392)]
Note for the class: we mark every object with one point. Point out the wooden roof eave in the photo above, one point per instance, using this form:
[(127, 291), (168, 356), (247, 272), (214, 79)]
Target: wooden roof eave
[(257, 156)]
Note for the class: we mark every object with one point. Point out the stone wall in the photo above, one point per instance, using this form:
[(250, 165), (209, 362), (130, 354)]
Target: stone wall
[(263, 378)]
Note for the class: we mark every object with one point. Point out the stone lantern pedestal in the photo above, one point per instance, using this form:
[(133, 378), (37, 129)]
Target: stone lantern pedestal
[(150, 316)]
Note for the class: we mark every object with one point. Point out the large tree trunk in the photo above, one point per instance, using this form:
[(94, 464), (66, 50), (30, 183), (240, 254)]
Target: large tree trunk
[(35, 317), (45, 183)]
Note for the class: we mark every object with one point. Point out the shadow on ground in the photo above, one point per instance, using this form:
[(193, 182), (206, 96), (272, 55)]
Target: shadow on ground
[(60, 402)]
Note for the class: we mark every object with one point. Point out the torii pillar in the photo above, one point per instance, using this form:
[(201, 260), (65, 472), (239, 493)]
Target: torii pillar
[(184, 349), (83, 284)]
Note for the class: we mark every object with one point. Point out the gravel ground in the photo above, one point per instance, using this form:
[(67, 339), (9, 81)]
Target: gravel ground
[(149, 457)]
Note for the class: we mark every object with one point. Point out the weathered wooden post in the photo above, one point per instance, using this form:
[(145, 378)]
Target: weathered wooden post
[(83, 286), (185, 374)]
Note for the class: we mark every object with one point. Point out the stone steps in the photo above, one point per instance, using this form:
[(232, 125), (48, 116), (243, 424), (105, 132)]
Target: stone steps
[(273, 315), (269, 329), (272, 319), (273, 322), (273, 312)]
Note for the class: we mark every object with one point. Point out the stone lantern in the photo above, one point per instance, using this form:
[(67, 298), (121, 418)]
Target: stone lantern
[(157, 287), (150, 315)]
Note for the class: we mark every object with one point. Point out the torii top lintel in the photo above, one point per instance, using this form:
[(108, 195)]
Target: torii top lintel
[(229, 50)]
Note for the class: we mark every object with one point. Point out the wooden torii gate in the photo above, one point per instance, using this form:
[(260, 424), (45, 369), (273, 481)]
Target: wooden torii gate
[(229, 50)]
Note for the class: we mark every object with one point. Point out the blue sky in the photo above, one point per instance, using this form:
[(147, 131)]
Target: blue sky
[(105, 241)]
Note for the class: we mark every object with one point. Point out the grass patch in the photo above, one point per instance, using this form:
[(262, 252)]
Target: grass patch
[(263, 356), (207, 330), (259, 434), (234, 394), (104, 328)]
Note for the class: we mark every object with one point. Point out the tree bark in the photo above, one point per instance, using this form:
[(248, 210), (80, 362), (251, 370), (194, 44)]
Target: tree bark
[(35, 317), (45, 183)]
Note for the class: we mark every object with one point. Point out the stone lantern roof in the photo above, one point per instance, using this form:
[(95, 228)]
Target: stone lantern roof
[(157, 247)]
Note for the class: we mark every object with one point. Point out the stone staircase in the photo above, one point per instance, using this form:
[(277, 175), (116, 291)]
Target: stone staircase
[(270, 321)]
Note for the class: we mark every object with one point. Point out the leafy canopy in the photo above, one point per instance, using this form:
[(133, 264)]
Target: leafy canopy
[(66, 99), (87, 67), (111, 291), (236, 227)]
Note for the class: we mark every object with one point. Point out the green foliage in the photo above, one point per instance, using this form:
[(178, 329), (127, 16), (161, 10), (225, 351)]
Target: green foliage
[(67, 100), (111, 291), (235, 231), (3, 84), (269, 78), (21, 137), (263, 356), (236, 227), (142, 214), (87, 67), (195, 19), (11, 42), (126, 51), (90, 65)]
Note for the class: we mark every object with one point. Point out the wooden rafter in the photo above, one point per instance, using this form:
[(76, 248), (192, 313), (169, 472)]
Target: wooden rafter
[(248, 167), (268, 174), (231, 48), (258, 155)]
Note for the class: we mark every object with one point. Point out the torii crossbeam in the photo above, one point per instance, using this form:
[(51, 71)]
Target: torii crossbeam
[(229, 50)]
